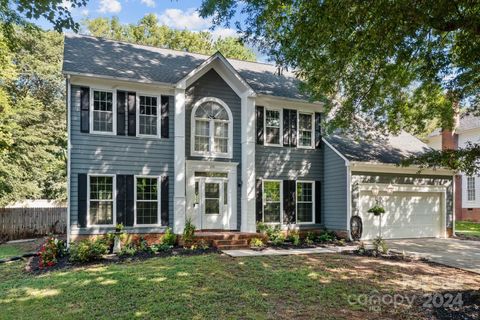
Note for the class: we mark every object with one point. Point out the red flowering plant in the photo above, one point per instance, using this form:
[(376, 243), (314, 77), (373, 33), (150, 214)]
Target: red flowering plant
[(50, 251)]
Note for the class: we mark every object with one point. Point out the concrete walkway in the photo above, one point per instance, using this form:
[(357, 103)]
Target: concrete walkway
[(462, 254), (285, 252)]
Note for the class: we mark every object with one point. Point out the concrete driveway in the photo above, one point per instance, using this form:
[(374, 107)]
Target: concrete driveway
[(461, 254)]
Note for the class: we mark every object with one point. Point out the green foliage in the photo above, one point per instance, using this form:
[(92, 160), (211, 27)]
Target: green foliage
[(161, 247), (294, 237), (326, 236), (88, 250), (278, 240), (261, 227), (128, 250), (50, 251), (379, 246), (376, 210), (119, 227), (188, 231), (169, 238), (32, 118), (256, 243), (400, 64), (273, 232), (148, 31), (361, 248)]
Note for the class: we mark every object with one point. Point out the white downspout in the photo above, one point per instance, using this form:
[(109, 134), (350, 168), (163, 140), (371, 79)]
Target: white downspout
[(69, 150)]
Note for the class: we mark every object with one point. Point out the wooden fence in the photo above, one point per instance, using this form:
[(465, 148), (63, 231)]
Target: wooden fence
[(23, 223)]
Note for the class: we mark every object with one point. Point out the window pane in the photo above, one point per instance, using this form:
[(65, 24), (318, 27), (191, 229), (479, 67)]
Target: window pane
[(471, 188), (221, 129), (273, 135), (305, 138), (101, 188), (271, 190), (101, 212), (202, 144), (304, 213), (271, 212), (202, 128), (272, 118), (305, 121), (147, 212), (304, 191), (212, 206), (147, 188), (220, 145), (212, 190)]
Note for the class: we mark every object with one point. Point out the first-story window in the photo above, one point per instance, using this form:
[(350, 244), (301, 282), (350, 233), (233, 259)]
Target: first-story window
[(148, 116), (102, 113), (272, 197), (273, 121), (304, 202), (305, 129), (147, 209), (101, 197), (471, 188)]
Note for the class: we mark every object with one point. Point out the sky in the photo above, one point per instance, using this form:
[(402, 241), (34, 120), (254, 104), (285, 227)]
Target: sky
[(178, 14)]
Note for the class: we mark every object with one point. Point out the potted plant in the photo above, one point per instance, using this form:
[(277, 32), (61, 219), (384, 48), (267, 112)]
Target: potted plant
[(376, 210)]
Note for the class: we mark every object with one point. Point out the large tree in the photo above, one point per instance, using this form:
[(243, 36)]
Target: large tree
[(148, 31), (398, 64)]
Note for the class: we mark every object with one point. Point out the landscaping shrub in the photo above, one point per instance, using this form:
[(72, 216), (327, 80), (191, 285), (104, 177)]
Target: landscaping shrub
[(326, 236), (50, 251), (128, 250), (88, 250), (278, 240), (188, 231), (379, 246), (162, 247), (256, 243), (294, 237), (262, 227), (309, 238), (169, 238)]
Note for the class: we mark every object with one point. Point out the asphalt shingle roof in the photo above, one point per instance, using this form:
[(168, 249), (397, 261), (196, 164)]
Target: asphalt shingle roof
[(377, 147), (467, 122), (102, 57)]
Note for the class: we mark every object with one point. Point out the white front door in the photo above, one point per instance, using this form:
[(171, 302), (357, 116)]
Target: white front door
[(212, 194)]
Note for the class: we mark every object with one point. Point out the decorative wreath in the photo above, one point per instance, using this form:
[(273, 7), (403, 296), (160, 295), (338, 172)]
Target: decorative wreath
[(356, 227)]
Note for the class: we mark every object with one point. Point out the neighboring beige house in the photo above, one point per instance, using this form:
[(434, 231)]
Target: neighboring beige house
[(467, 197)]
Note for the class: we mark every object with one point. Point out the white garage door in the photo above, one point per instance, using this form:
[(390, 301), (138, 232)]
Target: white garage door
[(407, 215)]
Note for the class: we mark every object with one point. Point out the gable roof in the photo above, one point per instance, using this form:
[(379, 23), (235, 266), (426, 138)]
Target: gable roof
[(101, 57), (392, 149)]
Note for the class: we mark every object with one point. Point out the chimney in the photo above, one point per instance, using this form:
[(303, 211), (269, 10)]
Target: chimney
[(449, 136)]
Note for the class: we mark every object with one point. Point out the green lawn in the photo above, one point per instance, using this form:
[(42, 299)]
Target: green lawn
[(15, 249), (468, 228), (219, 287)]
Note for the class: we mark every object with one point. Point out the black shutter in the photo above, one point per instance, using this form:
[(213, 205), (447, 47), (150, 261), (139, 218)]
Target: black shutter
[(82, 200), (293, 128), (121, 199), (286, 127), (289, 201), (318, 199), (130, 199), (121, 112), (166, 102), (259, 200), (85, 109), (164, 200), (132, 117), (318, 130), (260, 128)]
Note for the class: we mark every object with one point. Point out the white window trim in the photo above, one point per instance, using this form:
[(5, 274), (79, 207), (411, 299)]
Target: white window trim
[(114, 199), (211, 153), (159, 217), (313, 202), (114, 110), (280, 111), (312, 137), (281, 201), (137, 111), (474, 189)]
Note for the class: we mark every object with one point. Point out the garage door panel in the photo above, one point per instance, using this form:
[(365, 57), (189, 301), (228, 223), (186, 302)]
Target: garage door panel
[(407, 215)]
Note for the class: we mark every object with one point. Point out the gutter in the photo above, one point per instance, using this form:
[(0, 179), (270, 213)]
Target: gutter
[(92, 75)]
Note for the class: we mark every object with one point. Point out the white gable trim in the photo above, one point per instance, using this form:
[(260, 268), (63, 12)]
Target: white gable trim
[(224, 69), (347, 163)]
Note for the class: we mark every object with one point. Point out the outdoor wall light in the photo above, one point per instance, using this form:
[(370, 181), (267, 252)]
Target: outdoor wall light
[(390, 189), (375, 190)]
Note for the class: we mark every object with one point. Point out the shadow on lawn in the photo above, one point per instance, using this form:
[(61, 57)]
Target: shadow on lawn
[(214, 286)]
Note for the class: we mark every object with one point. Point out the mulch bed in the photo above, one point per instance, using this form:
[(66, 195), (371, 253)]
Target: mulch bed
[(467, 309), (388, 256), (290, 245), (32, 265)]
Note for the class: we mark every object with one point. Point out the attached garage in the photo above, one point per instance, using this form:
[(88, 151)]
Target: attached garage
[(409, 212)]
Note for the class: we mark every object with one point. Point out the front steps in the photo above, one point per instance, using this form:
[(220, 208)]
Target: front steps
[(227, 240)]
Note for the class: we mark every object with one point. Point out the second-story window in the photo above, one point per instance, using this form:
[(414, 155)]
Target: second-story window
[(273, 127), (305, 130), (211, 128), (103, 113), (148, 116)]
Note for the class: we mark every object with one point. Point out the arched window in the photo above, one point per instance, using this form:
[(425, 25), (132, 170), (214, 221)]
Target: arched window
[(211, 128)]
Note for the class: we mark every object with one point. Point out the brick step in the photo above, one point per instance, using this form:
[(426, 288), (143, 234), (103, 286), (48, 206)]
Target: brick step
[(218, 243), (233, 247)]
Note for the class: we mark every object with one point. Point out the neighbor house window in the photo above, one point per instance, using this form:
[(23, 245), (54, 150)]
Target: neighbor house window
[(471, 188), (273, 127), (305, 130), (272, 200), (146, 201), (103, 111), (101, 200), (212, 131), (148, 116), (304, 202)]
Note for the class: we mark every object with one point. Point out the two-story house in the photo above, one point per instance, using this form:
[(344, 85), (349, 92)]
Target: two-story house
[(467, 191), (158, 136)]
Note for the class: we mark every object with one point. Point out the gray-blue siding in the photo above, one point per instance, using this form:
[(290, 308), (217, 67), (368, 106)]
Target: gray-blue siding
[(93, 153), (212, 85), (334, 190)]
